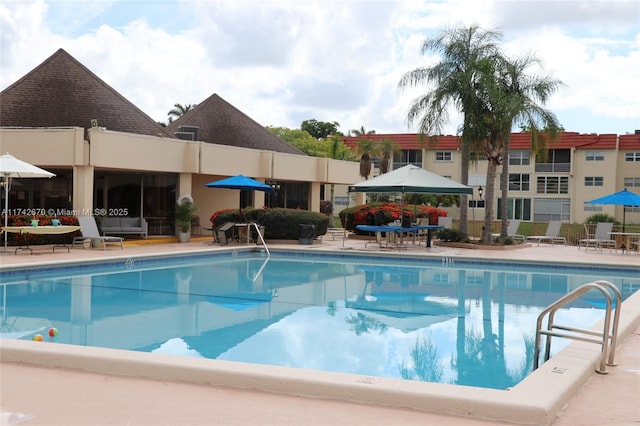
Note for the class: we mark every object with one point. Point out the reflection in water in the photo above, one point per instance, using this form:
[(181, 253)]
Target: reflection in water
[(463, 325), (426, 364), (361, 323)]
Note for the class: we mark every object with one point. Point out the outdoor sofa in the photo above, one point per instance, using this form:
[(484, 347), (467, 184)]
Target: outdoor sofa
[(124, 226)]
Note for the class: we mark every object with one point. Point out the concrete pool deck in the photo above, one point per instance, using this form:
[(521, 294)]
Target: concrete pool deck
[(37, 395)]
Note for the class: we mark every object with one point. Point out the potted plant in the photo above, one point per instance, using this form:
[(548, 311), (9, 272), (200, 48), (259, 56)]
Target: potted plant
[(184, 216)]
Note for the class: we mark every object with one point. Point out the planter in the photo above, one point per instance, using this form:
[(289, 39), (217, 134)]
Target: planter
[(184, 237)]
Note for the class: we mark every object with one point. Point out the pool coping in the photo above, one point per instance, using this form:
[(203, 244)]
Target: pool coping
[(536, 400)]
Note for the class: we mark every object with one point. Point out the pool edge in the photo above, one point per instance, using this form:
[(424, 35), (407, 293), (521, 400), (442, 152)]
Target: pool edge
[(536, 400)]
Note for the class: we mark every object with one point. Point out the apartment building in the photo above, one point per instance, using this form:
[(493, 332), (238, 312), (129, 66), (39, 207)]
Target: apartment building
[(578, 168)]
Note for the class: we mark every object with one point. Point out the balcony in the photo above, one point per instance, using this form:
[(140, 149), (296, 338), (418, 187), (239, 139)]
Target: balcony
[(553, 167)]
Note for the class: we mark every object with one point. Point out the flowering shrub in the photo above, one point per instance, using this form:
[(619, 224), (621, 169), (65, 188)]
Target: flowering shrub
[(217, 213), (43, 220), (357, 215)]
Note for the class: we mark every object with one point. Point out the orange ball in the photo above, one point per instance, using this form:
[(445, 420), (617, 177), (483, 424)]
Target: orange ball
[(53, 332), (38, 338)]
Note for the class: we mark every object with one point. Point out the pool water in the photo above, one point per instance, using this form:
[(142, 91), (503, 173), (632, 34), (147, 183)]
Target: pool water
[(469, 323)]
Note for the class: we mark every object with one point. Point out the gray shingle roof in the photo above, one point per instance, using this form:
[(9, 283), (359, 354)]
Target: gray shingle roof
[(221, 123)]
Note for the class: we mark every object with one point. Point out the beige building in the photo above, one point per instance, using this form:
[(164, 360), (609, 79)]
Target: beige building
[(578, 168), (109, 155)]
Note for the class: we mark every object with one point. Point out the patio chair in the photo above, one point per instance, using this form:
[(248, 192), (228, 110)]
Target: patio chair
[(225, 233), (599, 239), (551, 236), (90, 232), (512, 231)]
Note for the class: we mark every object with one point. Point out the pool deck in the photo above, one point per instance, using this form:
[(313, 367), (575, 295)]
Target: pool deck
[(34, 395)]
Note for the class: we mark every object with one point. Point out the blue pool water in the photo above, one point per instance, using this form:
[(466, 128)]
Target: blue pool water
[(469, 322)]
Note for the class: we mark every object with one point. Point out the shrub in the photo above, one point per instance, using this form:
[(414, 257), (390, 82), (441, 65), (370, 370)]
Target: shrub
[(600, 217), (357, 215), (506, 241), (279, 223), (452, 235), (43, 220)]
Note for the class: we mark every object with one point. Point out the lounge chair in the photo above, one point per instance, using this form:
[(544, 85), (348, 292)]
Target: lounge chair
[(599, 239), (512, 231), (90, 232), (551, 236)]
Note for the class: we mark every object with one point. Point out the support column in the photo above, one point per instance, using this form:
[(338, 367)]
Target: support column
[(82, 197), (314, 197), (184, 185)]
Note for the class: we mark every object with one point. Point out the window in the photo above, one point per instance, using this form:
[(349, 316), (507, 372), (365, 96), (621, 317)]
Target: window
[(547, 209), (632, 156), (519, 157), (557, 161), (519, 182), (592, 207), (553, 185), (444, 156), (593, 181), (517, 208), (476, 204), (594, 156), (632, 182), (407, 156)]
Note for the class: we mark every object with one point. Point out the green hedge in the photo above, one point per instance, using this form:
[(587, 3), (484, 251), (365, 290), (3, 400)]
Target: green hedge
[(280, 224)]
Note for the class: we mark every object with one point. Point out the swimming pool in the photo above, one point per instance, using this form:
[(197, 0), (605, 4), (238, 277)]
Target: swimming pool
[(459, 321)]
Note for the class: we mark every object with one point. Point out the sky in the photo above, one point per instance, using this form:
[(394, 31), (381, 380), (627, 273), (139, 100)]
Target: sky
[(282, 62)]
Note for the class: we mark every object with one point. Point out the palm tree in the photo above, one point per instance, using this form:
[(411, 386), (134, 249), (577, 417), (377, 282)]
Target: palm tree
[(386, 149), (509, 97), (179, 110), (366, 149), (337, 150), (361, 132), (453, 82)]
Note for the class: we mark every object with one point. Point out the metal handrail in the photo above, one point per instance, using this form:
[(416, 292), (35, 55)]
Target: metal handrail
[(608, 337), (255, 225)]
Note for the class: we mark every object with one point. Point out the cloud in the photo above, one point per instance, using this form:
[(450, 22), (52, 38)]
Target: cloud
[(288, 61)]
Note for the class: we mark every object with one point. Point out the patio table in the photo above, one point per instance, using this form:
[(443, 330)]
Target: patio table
[(623, 239), (400, 229)]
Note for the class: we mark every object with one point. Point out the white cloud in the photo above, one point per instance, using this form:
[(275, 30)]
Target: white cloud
[(282, 62)]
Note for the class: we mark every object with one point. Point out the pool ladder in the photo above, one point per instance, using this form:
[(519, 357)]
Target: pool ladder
[(607, 338), (255, 225)]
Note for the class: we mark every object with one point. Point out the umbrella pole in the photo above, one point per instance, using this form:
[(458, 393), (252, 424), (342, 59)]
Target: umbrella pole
[(6, 208)]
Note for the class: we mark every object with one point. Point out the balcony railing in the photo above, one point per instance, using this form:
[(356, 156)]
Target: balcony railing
[(553, 167)]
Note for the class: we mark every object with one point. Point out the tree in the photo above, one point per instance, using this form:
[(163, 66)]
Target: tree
[(510, 96), (366, 148), (337, 150), (386, 149), (179, 110), (361, 132), (320, 129), (301, 140), (452, 83)]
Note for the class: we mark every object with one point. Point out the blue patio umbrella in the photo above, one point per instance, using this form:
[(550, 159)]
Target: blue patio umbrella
[(242, 183), (621, 198)]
